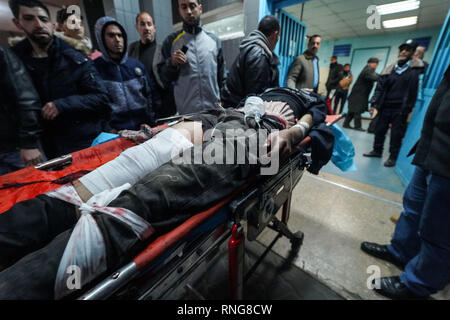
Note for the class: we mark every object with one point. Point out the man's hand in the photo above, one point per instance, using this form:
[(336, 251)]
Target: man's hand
[(178, 58), (373, 112), (49, 111), (31, 157), (280, 144)]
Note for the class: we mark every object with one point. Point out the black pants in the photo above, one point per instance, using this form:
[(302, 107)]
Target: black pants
[(398, 120), (166, 198), (353, 116), (341, 96)]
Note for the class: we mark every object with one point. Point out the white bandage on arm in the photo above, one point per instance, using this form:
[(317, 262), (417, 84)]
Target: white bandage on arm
[(135, 163)]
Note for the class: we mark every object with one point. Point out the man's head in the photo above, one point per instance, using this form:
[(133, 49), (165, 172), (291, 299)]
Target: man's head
[(314, 44), (33, 18), (145, 26), (406, 51), (114, 41), (420, 52), (347, 68), (70, 24), (190, 11), (333, 59), (270, 26), (373, 62)]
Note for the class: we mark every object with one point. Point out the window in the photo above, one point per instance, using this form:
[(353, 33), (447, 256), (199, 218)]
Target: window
[(342, 50)]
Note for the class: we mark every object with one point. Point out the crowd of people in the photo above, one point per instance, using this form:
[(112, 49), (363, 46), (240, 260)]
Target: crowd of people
[(59, 94)]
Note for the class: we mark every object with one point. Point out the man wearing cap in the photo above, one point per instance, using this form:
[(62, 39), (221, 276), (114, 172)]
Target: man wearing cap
[(359, 98), (394, 100)]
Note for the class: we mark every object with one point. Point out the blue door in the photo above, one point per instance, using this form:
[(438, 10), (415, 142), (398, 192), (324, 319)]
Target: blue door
[(291, 43)]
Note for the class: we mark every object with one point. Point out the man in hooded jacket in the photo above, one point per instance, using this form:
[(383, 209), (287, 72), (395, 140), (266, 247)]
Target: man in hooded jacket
[(256, 67), (132, 92)]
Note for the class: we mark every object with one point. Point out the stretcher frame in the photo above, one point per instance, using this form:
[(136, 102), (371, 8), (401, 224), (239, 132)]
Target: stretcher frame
[(166, 269)]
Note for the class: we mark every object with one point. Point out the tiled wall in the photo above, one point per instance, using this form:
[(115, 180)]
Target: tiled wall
[(125, 12)]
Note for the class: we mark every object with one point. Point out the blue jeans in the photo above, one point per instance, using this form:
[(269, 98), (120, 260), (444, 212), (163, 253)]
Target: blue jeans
[(422, 235), (10, 162)]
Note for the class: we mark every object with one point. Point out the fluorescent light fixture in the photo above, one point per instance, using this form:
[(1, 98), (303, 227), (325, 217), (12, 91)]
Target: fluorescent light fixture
[(398, 7), (397, 23)]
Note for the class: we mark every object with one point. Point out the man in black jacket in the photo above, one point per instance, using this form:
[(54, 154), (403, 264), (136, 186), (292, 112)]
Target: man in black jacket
[(75, 101), (421, 243), (394, 100), (256, 67), (336, 74), (19, 115), (359, 98)]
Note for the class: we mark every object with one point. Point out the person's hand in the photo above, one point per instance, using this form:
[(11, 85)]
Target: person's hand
[(373, 112), (178, 58), (280, 144), (49, 111), (31, 157)]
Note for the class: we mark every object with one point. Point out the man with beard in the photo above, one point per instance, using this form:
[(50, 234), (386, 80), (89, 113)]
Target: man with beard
[(394, 100), (147, 51), (256, 67), (304, 71), (131, 89), (75, 101), (192, 60)]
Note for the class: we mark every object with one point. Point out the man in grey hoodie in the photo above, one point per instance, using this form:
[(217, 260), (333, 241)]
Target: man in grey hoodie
[(256, 67)]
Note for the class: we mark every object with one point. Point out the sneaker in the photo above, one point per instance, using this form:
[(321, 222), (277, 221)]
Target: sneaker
[(373, 154)]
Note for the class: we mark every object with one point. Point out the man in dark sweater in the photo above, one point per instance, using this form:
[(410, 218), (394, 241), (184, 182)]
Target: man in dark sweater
[(394, 100), (421, 243), (147, 51)]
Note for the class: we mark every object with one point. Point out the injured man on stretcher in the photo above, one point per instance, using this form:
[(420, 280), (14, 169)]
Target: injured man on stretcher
[(103, 220)]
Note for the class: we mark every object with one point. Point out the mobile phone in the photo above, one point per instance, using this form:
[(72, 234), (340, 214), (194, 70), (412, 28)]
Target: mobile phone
[(184, 49)]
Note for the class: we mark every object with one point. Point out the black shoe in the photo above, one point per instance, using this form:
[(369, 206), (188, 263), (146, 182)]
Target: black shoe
[(347, 127), (360, 129), (391, 162), (373, 154), (381, 252), (393, 288)]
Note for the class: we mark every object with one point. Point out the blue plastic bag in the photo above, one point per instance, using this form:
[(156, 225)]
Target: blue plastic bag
[(344, 151), (104, 137)]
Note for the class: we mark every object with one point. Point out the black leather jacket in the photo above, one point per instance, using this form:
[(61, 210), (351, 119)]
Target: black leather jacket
[(254, 70), (19, 105)]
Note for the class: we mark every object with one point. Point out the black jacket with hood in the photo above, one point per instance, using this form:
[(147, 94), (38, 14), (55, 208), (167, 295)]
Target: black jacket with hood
[(254, 70)]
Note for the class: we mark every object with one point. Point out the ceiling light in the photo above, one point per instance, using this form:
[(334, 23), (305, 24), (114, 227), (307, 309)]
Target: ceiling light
[(397, 23), (398, 7)]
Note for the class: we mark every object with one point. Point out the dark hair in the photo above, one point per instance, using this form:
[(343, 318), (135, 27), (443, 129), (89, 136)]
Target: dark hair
[(347, 64), (268, 25), (140, 14), (334, 57), (198, 2), (314, 36), (14, 5)]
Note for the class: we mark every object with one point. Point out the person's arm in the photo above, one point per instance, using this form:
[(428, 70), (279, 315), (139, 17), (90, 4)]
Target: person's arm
[(294, 73), (92, 95), (221, 76), (18, 84), (168, 67), (153, 98), (285, 142)]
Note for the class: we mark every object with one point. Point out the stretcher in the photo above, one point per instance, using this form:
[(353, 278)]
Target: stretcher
[(169, 267)]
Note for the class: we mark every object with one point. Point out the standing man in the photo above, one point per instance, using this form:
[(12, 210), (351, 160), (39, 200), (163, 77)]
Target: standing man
[(421, 243), (336, 74), (20, 109), (75, 101), (192, 60), (131, 89), (394, 99), (256, 67), (343, 88), (358, 101), (304, 71), (147, 51)]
